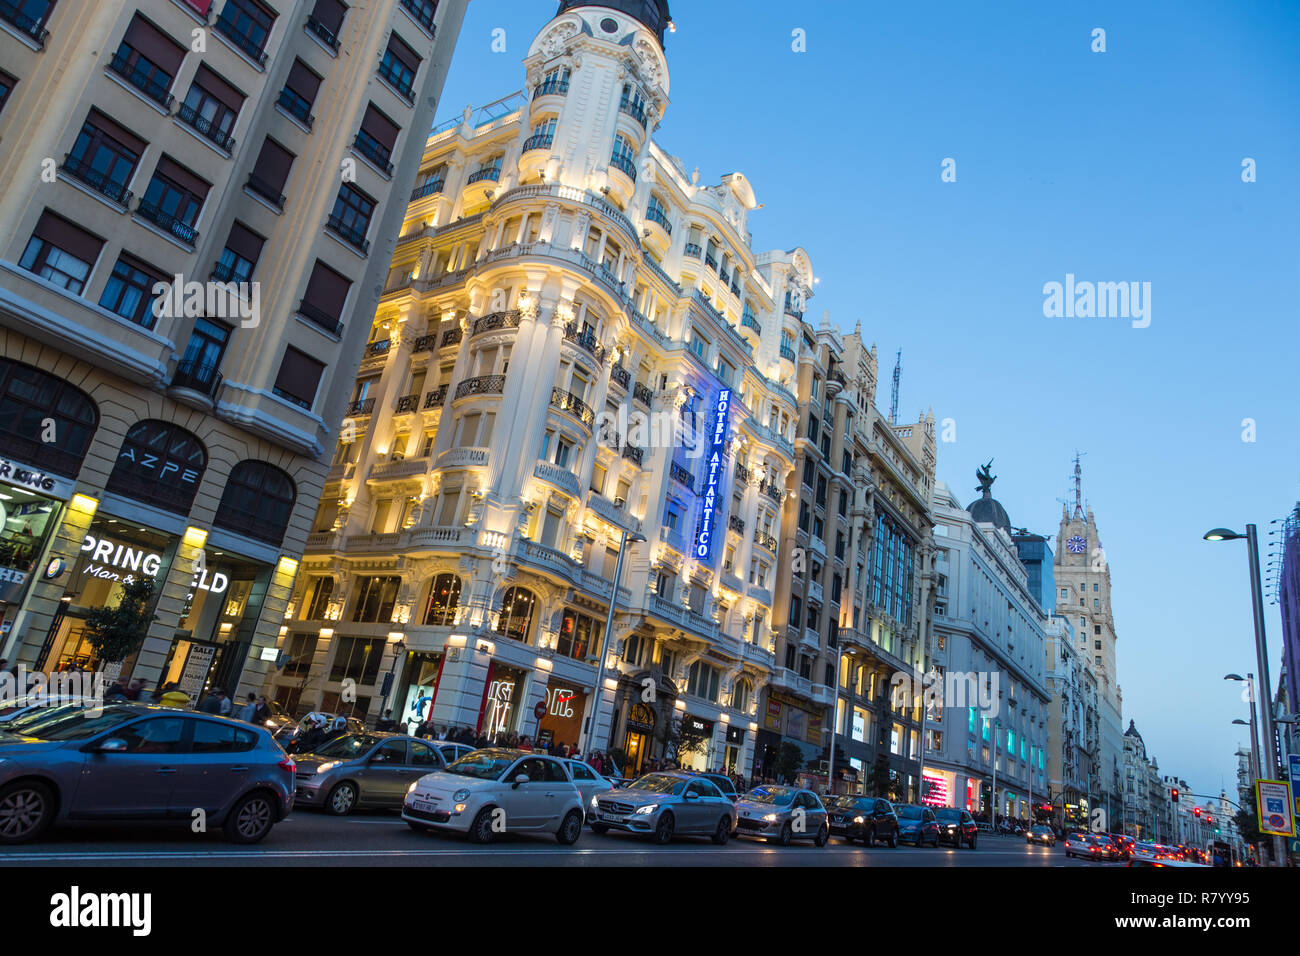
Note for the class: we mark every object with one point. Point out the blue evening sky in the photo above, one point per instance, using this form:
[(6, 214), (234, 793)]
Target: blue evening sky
[(1116, 166)]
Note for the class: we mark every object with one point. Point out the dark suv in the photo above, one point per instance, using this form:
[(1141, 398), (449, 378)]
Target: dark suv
[(723, 783), (863, 818), (956, 827)]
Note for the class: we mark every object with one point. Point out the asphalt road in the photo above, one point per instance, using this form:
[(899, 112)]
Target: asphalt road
[(368, 839)]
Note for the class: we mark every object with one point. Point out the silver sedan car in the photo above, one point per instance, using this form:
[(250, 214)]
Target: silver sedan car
[(589, 783), (662, 805), (363, 770), (783, 815)]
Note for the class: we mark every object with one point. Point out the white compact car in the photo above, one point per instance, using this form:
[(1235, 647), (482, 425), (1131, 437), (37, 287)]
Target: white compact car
[(493, 791)]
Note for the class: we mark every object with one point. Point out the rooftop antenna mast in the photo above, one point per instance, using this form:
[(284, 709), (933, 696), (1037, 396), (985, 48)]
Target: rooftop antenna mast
[(893, 394), (1078, 488)]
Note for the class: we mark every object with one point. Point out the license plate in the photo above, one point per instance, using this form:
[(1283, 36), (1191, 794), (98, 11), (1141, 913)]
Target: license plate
[(612, 816), (423, 806)]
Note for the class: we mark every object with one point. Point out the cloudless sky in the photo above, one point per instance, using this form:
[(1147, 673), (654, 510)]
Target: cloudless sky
[(1117, 166)]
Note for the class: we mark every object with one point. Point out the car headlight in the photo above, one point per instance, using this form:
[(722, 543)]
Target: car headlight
[(411, 788), (648, 808), (460, 795), (859, 819), (327, 766), (594, 805), (770, 818)]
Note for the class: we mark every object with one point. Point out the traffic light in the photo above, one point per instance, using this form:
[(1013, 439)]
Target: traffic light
[(1196, 811), (1174, 794)]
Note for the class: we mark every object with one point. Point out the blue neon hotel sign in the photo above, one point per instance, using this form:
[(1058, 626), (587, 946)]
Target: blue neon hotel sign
[(713, 477)]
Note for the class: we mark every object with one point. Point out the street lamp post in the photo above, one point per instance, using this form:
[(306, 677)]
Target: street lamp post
[(1249, 681), (1267, 763), (629, 537)]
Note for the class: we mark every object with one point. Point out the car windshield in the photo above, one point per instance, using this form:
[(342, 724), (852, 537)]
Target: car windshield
[(39, 715), (79, 723), (659, 783), (778, 796), (853, 803), (483, 764), (908, 812), (948, 815), (1041, 829), (349, 746)]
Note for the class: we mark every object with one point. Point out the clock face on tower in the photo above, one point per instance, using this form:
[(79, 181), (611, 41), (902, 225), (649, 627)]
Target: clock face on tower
[(1075, 545)]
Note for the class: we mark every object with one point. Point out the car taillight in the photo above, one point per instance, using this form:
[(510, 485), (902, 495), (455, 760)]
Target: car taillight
[(288, 766)]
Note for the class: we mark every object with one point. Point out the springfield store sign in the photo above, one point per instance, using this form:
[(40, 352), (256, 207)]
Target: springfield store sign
[(114, 561)]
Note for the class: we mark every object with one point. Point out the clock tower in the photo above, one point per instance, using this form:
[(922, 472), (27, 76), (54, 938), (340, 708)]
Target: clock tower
[(1083, 597)]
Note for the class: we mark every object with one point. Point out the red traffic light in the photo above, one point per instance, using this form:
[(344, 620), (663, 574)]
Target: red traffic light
[(1196, 811), (1174, 793)]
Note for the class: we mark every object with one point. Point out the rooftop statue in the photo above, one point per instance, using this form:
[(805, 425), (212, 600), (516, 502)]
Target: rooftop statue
[(985, 477)]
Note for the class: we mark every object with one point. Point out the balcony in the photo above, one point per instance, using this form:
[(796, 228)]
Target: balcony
[(12, 14), (320, 318), (736, 523), (428, 189), (624, 164), (434, 537), (379, 347), (137, 78), (787, 352), (559, 477), (659, 217), (362, 406), (462, 457), (202, 378), (491, 174), (749, 321), (452, 337), (496, 320), (354, 237), (770, 489), (296, 106), (219, 138), (711, 261), (692, 250), (167, 222), (681, 476), (322, 33), (480, 385), (741, 473), (265, 189), (400, 468), (538, 141), (568, 402), (642, 394), (245, 44), (100, 183), (620, 376), (683, 617), (435, 398), (586, 340), (557, 86), (421, 13), (765, 540), (634, 454), (390, 74), (634, 110), (407, 403), (374, 152)]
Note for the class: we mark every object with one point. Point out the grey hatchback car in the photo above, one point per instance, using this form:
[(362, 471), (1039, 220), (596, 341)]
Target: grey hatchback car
[(363, 770), (135, 763), (661, 805), (783, 815)]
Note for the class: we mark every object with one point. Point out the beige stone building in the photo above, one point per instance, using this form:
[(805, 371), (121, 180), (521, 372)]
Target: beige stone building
[(249, 148)]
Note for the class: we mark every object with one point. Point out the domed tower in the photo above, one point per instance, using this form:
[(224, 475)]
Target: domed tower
[(599, 84), (986, 508)]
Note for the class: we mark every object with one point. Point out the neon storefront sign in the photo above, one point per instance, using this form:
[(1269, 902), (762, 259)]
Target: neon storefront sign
[(111, 559), (713, 476)]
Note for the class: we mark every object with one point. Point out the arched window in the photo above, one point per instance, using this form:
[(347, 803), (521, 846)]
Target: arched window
[(516, 614), (28, 397), (702, 681), (160, 463), (444, 598), (258, 501), (740, 695)]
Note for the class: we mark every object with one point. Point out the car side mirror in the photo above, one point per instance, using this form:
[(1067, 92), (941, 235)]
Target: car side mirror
[(690, 795), (522, 778), (113, 745)]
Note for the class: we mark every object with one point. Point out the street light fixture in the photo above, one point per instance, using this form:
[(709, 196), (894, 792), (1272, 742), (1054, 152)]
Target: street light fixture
[(629, 537), (1249, 680), (1266, 761)]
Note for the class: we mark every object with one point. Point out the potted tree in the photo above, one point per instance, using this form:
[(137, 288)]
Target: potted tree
[(115, 633)]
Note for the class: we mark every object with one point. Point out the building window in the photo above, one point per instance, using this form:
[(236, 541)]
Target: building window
[(399, 66), (61, 253), (375, 141), (198, 367), (515, 616), (579, 636), (444, 599), (211, 108), (299, 93), (555, 81), (318, 601), (325, 298), (357, 659), (702, 681), (129, 291), (159, 463), (271, 172), (104, 157), (623, 157), (422, 11), (29, 396), (148, 59), (173, 200), (258, 501), (376, 597), (326, 20), (240, 255), (350, 219), (299, 378), (247, 24), (7, 84)]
